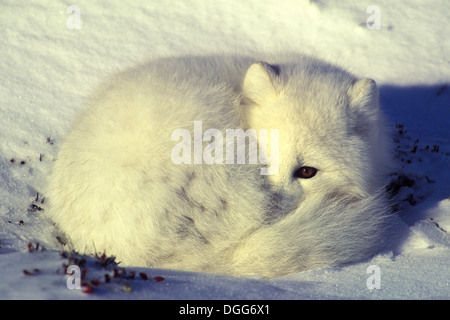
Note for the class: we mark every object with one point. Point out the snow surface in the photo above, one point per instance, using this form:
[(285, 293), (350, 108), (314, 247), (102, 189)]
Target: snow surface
[(47, 67)]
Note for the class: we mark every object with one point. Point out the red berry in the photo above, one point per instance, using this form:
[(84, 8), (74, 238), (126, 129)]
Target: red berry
[(87, 288), (95, 282), (143, 275)]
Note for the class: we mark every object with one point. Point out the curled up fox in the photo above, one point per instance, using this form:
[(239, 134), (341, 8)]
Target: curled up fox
[(226, 164)]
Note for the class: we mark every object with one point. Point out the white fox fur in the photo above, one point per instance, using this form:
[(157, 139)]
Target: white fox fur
[(115, 186)]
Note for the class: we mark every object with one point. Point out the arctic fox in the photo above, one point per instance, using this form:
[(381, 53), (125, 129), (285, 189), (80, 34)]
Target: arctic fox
[(133, 177)]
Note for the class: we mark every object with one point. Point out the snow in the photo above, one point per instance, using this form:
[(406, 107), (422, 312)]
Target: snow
[(48, 67)]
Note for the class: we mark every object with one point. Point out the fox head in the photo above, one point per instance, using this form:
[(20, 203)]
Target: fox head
[(332, 140)]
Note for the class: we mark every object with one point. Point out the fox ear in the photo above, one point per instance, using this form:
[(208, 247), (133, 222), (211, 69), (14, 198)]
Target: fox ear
[(363, 106), (363, 92), (258, 83)]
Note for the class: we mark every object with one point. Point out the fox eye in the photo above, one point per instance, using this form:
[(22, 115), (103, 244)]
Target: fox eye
[(305, 172)]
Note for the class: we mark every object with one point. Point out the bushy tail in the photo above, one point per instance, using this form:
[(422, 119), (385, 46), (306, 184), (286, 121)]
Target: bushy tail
[(333, 231)]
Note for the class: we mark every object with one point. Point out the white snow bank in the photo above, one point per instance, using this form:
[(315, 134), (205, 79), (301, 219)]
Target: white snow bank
[(47, 67)]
